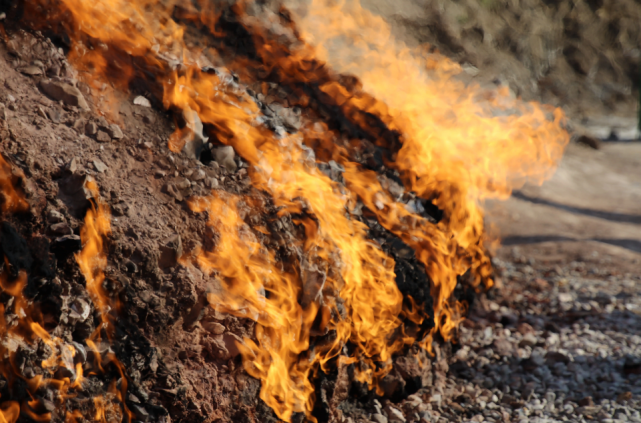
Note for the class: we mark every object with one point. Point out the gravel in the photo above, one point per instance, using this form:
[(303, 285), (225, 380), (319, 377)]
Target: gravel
[(553, 343)]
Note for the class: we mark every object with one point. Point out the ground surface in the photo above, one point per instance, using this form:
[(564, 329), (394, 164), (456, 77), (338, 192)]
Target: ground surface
[(560, 341)]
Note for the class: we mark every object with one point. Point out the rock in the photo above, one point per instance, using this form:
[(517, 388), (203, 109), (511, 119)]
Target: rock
[(392, 383), (79, 126), (73, 165), (586, 402), (529, 340), (99, 166), (160, 174), (524, 328), (142, 101), (395, 415), (174, 192), (232, 341), (198, 175), (211, 183), (3, 112), (91, 129), (379, 418), (74, 193), (140, 412), (224, 156), (553, 357), (102, 137), (183, 183), (69, 94), (503, 347), (79, 310), (66, 245), (61, 228), (170, 251), (114, 131), (55, 114), (31, 70), (214, 327), (192, 134), (54, 216)]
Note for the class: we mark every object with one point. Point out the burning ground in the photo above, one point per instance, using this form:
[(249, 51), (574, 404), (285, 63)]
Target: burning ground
[(204, 221)]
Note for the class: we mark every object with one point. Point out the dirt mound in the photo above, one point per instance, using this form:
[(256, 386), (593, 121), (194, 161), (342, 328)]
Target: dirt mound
[(582, 55), (167, 356)]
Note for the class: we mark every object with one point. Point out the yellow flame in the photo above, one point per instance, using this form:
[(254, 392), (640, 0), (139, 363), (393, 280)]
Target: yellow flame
[(11, 200), (457, 146)]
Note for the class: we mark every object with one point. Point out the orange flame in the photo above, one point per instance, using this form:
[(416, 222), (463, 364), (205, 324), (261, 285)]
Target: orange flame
[(457, 146), (9, 412), (12, 201), (92, 259)]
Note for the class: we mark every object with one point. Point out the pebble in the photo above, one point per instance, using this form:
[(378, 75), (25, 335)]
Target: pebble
[(102, 136), (99, 166), (142, 101), (224, 156), (61, 91)]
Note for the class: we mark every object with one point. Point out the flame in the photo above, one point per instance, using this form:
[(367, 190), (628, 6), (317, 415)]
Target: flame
[(12, 201), (453, 145), (92, 259), (457, 145), (26, 328)]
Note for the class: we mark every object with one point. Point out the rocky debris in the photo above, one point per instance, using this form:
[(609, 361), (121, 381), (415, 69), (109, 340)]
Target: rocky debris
[(31, 70), (54, 216), (114, 131), (62, 91), (74, 193), (61, 228), (224, 156), (170, 251), (36, 55), (91, 129), (99, 166), (142, 101), (193, 137), (102, 136), (55, 114)]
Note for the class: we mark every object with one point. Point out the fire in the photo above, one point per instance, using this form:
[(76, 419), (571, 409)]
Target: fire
[(459, 145), (451, 144), (12, 201), (92, 260), (24, 326)]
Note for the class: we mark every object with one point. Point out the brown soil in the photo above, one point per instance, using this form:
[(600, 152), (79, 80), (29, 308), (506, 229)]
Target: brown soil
[(166, 352)]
